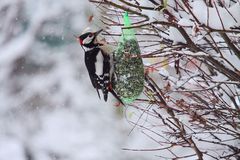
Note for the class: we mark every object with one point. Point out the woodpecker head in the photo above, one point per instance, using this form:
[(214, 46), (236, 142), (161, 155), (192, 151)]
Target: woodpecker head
[(88, 39)]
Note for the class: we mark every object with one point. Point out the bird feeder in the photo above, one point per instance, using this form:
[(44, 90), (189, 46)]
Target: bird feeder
[(129, 71)]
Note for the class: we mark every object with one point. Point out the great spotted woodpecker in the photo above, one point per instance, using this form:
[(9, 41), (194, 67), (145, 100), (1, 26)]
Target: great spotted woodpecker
[(98, 64)]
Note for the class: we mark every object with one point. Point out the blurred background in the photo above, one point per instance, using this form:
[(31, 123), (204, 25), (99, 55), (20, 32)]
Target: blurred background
[(48, 108)]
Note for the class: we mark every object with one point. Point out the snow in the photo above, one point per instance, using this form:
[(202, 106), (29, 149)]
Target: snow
[(176, 36), (11, 148), (185, 22), (48, 109), (73, 136), (217, 17), (163, 72)]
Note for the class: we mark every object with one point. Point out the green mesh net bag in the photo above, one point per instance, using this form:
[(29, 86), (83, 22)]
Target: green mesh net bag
[(129, 71)]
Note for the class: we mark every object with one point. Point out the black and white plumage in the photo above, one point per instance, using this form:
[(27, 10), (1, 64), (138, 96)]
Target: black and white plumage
[(98, 64)]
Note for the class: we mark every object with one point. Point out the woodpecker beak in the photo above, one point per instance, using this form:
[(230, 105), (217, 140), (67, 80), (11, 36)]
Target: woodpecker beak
[(75, 36), (96, 33)]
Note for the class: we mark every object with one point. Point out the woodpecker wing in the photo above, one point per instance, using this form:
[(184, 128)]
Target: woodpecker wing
[(105, 74), (90, 62)]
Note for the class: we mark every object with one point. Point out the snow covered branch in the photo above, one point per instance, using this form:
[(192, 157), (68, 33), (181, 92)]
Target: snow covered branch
[(191, 52)]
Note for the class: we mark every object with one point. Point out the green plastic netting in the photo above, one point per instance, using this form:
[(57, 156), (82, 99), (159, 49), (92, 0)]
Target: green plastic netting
[(128, 65)]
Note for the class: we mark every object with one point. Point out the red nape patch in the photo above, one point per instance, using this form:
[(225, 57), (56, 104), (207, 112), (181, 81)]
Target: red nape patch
[(80, 41)]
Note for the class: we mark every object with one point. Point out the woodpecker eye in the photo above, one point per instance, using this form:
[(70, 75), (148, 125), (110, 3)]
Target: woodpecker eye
[(90, 35)]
